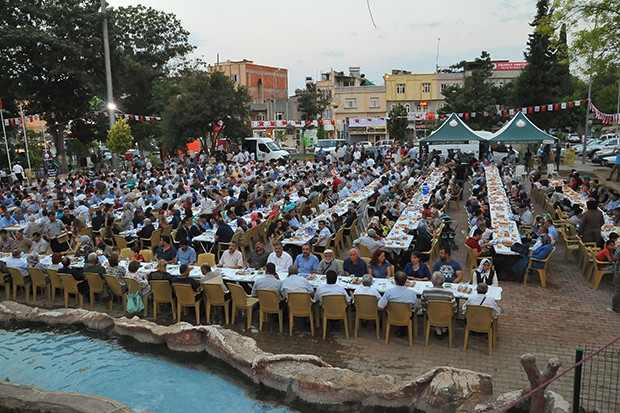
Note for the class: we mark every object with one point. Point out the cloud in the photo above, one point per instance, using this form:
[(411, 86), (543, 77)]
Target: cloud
[(335, 53)]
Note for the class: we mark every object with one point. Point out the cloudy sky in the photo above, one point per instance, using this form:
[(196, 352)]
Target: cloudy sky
[(310, 37)]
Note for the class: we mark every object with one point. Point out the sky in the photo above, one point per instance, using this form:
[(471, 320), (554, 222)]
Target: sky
[(311, 37)]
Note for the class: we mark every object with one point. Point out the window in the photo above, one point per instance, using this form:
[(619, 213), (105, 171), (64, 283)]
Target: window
[(374, 102), (407, 107), (234, 78), (260, 116), (392, 106), (350, 103), (279, 116), (426, 88), (419, 108), (443, 86), (400, 88)]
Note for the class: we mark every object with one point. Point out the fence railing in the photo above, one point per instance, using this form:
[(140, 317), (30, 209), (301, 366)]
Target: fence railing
[(597, 384)]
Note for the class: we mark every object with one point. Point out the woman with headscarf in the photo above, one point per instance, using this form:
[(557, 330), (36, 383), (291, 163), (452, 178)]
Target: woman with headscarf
[(85, 246), (255, 219), (540, 253), (127, 216), (485, 274), (176, 218)]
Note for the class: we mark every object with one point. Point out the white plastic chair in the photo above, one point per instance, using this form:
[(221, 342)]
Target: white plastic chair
[(551, 170), (519, 172)]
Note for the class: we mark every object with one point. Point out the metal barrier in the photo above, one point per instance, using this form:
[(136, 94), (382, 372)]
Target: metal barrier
[(597, 382), (596, 386)]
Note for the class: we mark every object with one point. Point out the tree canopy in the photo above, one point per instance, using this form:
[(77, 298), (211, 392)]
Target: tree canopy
[(51, 58), (119, 137), (208, 107), (397, 123)]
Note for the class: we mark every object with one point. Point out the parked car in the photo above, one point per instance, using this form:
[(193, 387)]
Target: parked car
[(579, 148), (364, 144), (608, 136), (604, 153), (608, 160), (384, 143), (607, 144), (573, 138)]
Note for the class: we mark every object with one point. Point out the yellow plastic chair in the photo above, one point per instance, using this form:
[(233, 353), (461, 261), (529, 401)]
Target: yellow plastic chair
[(147, 254), (7, 286), (597, 273), (55, 282), (95, 285), (18, 281), (480, 319), (215, 297), (364, 251), (366, 309), (542, 272), (241, 301), (70, 285), (440, 314), (39, 281), (299, 305), (571, 244), (121, 242), (269, 303), (162, 293), (186, 297), (126, 253), (399, 314), (454, 199), (246, 245), (116, 290), (133, 287), (206, 258), (350, 233), (334, 307)]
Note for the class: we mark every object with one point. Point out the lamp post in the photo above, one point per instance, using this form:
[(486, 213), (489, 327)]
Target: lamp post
[(275, 121), (6, 141), (21, 113)]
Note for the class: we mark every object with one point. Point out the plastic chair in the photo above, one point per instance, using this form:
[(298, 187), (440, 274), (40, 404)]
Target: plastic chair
[(350, 232), (152, 242), (454, 199), (55, 282), (571, 244), (214, 296), (18, 281), (39, 280), (95, 285), (399, 314), (133, 286), (186, 297), (364, 251), (206, 258), (299, 305), (7, 286), (334, 307), (480, 319), (246, 245), (70, 285), (241, 301), (366, 309), (339, 240), (116, 290), (126, 253), (121, 242), (597, 272), (542, 272), (440, 314), (147, 254), (162, 293), (269, 303)]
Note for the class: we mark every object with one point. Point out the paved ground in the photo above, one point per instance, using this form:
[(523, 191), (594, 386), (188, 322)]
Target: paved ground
[(547, 322)]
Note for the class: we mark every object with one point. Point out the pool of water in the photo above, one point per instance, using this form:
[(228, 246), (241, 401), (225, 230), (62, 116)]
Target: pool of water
[(69, 361)]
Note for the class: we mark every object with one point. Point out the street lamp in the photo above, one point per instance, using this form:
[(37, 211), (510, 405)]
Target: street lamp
[(274, 106)]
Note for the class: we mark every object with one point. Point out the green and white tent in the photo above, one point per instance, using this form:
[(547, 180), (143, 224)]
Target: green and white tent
[(521, 130), (453, 130)]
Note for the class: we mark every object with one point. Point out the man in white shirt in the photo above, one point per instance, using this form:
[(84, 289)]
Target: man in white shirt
[(281, 259), (366, 287), (331, 288), (295, 283), (39, 245), (232, 258), (482, 299)]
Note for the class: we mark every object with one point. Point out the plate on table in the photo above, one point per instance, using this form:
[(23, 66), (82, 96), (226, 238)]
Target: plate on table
[(447, 285)]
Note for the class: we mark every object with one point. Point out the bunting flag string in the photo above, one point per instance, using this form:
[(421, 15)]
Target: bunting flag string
[(54, 115), (605, 118)]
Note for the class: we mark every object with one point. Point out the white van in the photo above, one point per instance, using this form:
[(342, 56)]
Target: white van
[(265, 149), (329, 145)]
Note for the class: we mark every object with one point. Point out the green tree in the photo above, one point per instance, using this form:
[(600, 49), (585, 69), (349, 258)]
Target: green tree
[(311, 102), (119, 139), (208, 106), (397, 123), (546, 78), (477, 95), (320, 130), (593, 26), (51, 58)]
